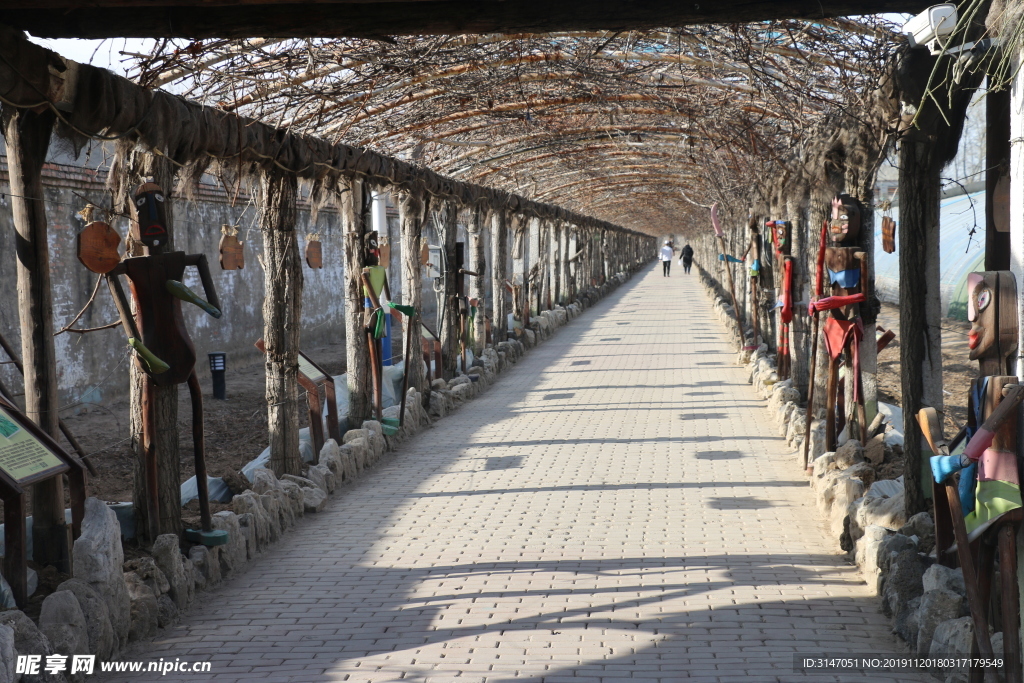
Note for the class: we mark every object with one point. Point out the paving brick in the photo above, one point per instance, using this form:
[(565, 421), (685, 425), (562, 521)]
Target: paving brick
[(648, 524)]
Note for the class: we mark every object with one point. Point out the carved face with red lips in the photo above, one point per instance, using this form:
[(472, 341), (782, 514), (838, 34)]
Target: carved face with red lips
[(150, 225), (981, 312), (845, 224), (372, 246)]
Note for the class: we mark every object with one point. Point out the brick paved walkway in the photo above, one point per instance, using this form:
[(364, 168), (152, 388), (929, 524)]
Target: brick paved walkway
[(617, 507)]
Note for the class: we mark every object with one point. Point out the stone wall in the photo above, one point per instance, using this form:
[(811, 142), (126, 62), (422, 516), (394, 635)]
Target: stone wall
[(865, 514)]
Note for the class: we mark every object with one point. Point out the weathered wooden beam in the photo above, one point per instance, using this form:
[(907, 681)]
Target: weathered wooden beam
[(997, 180), (411, 211), (28, 137), (357, 351), (282, 317), (449, 331), (247, 18), (478, 284), (499, 274)]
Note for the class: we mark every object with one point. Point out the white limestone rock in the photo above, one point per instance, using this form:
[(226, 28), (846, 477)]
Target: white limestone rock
[(232, 554), (253, 515), (264, 480), (98, 560), (62, 622), (314, 499), (100, 632), (145, 609), (173, 564), (7, 655), (29, 640)]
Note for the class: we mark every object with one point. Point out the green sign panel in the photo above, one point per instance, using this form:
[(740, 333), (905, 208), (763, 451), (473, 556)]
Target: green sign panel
[(22, 456)]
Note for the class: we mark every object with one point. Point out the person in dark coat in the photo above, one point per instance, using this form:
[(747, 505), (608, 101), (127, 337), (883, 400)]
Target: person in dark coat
[(687, 258)]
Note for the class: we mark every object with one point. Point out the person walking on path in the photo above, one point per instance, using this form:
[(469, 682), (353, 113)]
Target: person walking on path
[(687, 259), (666, 257)]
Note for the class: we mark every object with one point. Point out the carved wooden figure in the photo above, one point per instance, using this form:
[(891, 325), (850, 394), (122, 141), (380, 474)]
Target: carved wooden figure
[(843, 329), (981, 508), (754, 270), (375, 283), (781, 233), (157, 332)]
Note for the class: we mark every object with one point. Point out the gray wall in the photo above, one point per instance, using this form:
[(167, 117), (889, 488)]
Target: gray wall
[(92, 368)]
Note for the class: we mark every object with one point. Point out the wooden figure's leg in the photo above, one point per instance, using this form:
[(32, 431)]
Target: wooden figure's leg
[(333, 425), (982, 556), (978, 611), (199, 446), (149, 448), (943, 526), (15, 552), (1010, 595), (830, 404)]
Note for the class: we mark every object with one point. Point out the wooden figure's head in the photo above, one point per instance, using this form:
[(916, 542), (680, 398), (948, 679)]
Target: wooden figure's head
[(782, 236), (371, 249), (992, 311), (846, 218), (150, 224)]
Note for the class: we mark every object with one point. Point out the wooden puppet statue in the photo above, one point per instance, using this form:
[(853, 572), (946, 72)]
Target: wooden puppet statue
[(843, 329), (754, 270), (157, 332), (987, 495), (375, 283), (781, 232)]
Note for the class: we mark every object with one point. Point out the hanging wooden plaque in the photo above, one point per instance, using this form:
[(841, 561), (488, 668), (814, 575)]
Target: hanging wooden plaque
[(424, 254), (314, 252), (232, 254), (385, 252), (97, 247), (888, 235)]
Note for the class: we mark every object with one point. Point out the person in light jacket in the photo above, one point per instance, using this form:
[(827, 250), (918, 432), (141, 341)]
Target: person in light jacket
[(666, 257)]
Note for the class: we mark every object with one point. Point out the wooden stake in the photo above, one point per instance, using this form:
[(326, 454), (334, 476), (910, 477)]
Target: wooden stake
[(282, 317), (499, 273), (357, 354), (28, 137)]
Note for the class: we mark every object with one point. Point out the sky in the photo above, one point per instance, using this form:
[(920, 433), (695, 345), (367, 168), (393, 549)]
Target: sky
[(101, 53)]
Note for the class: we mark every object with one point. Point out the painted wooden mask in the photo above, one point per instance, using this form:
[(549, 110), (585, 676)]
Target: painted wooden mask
[(781, 235), (372, 248), (991, 309), (150, 208), (845, 224)]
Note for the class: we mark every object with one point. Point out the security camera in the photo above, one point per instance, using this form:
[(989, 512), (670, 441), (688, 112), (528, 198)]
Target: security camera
[(931, 25)]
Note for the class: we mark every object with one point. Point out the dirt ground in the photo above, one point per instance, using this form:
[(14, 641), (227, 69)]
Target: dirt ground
[(236, 430), (957, 369)]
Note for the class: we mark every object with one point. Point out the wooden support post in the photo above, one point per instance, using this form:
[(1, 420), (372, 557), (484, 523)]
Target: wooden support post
[(282, 317), (28, 137), (558, 259), (411, 212), (357, 353), (920, 308), (478, 285), (449, 331), (499, 274), (157, 463), (924, 150), (997, 180)]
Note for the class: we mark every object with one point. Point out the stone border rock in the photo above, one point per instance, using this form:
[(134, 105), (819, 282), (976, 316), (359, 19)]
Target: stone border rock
[(111, 603), (926, 601)]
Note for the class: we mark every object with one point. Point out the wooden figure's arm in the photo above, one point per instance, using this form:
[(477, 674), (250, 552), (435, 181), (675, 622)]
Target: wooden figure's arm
[(153, 365), (199, 261)]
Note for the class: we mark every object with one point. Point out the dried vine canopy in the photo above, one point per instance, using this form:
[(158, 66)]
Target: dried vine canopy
[(631, 127)]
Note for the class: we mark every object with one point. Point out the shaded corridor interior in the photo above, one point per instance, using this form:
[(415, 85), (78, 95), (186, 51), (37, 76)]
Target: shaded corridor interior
[(618, 506)]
